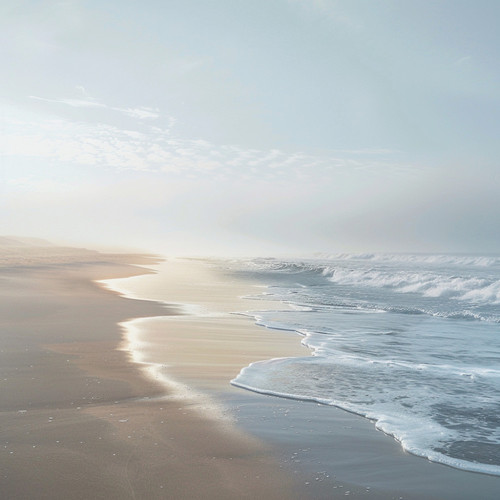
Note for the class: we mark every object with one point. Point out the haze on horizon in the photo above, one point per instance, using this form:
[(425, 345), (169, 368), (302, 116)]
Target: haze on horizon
[(238, 126)]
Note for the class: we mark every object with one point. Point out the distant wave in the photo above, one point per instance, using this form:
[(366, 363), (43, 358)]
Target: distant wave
[(467, 288), (429, 282), (442, 259)]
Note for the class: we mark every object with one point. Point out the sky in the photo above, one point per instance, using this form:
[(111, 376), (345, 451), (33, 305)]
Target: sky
[(252, 126)]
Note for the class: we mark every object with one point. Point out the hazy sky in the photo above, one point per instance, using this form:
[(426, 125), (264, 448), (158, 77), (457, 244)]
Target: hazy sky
[(256, 126)]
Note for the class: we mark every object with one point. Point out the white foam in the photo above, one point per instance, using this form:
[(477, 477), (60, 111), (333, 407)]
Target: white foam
[(426, 371), (486, 294), (418, 435)]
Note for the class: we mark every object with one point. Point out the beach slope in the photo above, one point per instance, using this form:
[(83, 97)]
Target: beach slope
[(79, 419)]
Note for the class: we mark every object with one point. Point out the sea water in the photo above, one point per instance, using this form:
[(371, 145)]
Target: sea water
[(411, 342)]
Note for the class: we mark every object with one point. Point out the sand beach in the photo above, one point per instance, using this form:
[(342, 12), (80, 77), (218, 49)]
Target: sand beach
[(79, 420), (105, 396)]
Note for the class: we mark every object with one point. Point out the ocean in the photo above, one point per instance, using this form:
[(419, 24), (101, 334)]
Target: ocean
[(411, 342)]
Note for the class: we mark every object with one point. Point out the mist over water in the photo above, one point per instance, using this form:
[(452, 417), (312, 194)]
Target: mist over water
[(409, 341)]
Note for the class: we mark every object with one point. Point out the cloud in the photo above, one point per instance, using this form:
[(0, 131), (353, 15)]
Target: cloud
[(141, 113), (77, 103), (148, 183), (157, 149), (462, 61)]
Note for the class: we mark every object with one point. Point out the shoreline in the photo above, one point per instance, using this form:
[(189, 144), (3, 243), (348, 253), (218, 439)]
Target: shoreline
[(171, 361), (79, 420), (371, 455)]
